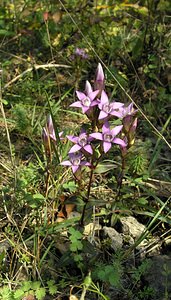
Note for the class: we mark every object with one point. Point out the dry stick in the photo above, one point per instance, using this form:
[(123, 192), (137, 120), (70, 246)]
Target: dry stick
[(120, 85), (35, 67), (7, 131)]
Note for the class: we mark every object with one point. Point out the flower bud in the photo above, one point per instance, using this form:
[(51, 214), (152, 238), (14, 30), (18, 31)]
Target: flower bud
[(99, 80)]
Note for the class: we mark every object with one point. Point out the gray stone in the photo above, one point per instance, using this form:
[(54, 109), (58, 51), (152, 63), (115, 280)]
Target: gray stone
[(116, 238), (159, 277)]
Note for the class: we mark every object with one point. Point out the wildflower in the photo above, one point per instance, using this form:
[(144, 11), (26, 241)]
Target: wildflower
[(81, 52), (131, 133), (124, 112), (99, 80), (86, 100), (45, 16), (49, 131), (88, 88), (108, 136), (75, 162), (82, 142), (106, 108)]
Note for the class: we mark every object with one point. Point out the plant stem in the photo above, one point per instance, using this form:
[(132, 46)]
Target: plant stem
[(87, 198)]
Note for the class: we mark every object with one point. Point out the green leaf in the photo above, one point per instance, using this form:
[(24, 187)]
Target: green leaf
[(36, 285), (142, 201), (105, 167), (35, 201), (40, 293), (71, 186), (52, 289), (5, 32), (75, 233), (26, 286), (18, 294)]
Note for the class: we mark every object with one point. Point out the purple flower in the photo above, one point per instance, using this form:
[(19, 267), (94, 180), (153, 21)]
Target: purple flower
[(49, 131), (86, 100), (127, 111), (108, 136), (81, 52), (75, 162), (82, 142), (99, 80), (106, 108)]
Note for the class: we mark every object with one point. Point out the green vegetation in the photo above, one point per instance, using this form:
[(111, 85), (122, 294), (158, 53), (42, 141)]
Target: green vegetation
[(53, 210)]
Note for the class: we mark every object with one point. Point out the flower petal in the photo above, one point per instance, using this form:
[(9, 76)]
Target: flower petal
[(106, 146), (76, 104), (80, 95), (92, 95), (106, 127), (88, 148), (104, 98), (102, 115), (66, 163), (75, 168), (74, 148), (116, 130), (116, 105), (119, 142), (88, 88), (72, 138), (97, 136)]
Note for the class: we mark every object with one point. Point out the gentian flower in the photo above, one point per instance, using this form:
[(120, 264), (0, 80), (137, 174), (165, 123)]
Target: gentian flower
[(81, 52), (127, 111), (106, 108), (100, 78), (82, 142), (49, 131), (108, 136), (75, 162), (131, 133), (86, 100)]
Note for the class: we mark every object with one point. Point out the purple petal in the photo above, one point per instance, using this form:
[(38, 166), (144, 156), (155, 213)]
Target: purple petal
[(92, 95), (85, 109), (116, 113), (97, 136), (107, 146), (102, 115), (53, 136), (99, 73), (72, 138), (66, 163), (104, 98), (116, 130), (88, 148), (116, 105), (50, 124), (88, 88), (94, 102), (75, 168), (85, 163), (80, 95), (74, 148), (119, 142), (76, 104), (106, 127)]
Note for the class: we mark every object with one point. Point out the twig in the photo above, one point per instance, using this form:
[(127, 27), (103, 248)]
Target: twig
[(34, 67)]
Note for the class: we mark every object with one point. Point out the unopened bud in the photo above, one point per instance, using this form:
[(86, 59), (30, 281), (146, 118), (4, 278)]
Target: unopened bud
[(99, 80)]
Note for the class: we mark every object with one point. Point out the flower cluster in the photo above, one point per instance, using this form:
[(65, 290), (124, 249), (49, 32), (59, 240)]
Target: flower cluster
[(96, 105)]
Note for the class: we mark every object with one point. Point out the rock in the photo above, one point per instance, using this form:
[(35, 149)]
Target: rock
[(131, 226), (159, 276), (91, 228), (116, 238)]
